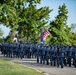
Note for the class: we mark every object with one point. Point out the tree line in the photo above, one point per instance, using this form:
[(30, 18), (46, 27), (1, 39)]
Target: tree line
[(26, 21)]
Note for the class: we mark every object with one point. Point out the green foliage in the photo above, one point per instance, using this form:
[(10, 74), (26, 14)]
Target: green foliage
[(58, 28), (1, 32), (1, 40), (1, 35), (73, 34), (8, 39), (33, 21), (73, 39), (73, 28), (23, 17)]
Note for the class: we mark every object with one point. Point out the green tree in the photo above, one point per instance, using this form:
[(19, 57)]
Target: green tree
[(1, 35), (1, 32), (73, 34), (59, 28), (73, 39), (73, 28), (33, 21), (24, 17)]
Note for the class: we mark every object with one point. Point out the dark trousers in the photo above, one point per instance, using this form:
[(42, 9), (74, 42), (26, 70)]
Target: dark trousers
[(58, 62), (62, 62), (75, 63), (69, 61)]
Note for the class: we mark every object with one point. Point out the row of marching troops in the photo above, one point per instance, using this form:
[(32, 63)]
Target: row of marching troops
[(53, 55), (18, 50)]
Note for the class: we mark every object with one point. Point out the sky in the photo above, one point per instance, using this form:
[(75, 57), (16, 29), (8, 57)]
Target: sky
[(54, 4)]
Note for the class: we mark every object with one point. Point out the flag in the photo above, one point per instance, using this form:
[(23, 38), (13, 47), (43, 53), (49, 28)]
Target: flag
[(45, 34)]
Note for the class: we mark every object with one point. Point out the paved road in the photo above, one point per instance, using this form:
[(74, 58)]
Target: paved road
[(50, 70)]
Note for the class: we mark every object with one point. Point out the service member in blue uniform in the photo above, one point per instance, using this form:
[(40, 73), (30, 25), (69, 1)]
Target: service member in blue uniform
[(62, 56), (70, 54), (74, 57)]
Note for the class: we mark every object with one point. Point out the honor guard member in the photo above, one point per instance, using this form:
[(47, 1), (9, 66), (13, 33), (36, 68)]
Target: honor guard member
[(21, 51), (47, 54), (54, 52), (62, 56), (51, 55), (3, 49), (70, 52), (25, 50), (10, 50), (0, 46), (44, 56), (74, 57), (41, 55), (58, 56), (14, 50), (37, 53), (30, 51), (65, 59)]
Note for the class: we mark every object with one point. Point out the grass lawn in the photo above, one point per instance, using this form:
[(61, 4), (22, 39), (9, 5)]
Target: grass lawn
[(10, 68)]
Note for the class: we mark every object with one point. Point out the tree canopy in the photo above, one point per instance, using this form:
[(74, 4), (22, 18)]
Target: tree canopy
[(58, 27), (1, 32), (27, 21), (23, 17)]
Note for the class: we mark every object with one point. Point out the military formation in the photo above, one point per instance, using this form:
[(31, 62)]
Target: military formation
[(53, 55)]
